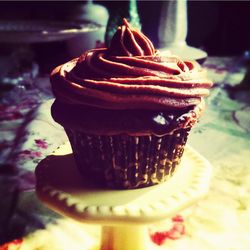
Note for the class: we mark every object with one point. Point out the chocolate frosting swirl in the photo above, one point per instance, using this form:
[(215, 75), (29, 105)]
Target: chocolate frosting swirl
[(130, 74)]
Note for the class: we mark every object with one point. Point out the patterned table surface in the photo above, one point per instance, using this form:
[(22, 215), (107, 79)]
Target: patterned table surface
[(220, 221)]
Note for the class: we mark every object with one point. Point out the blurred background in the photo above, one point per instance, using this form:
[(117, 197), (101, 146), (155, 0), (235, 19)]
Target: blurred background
[(221, 28)]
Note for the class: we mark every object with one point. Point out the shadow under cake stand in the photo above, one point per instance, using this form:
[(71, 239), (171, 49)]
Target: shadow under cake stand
[(123, 214)]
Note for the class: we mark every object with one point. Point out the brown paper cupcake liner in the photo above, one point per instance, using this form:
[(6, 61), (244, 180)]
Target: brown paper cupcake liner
[(127, 162)]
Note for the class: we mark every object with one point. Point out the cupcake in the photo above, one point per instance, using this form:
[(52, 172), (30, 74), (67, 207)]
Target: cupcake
[(127, 110)]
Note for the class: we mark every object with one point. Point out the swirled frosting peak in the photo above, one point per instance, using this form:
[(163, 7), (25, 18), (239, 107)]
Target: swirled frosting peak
[(130, 42), (130, 74)]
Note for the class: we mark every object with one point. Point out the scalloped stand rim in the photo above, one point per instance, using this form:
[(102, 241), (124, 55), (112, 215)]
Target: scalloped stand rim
[(123, 214)]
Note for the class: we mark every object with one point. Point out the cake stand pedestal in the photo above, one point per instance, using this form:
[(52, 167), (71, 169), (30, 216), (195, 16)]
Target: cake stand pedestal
[(123, 214), (173, 30)]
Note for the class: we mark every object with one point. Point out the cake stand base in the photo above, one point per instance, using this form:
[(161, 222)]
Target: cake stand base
[(123, 214), (186, 52)]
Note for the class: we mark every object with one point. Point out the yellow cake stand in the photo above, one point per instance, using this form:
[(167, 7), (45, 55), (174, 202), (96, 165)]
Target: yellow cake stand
[(123, 214)]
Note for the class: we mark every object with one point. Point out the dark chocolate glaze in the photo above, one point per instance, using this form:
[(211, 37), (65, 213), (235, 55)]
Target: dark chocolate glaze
[(132, 122)]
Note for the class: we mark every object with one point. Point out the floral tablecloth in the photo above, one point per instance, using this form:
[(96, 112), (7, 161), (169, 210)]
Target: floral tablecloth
[(219, 222)]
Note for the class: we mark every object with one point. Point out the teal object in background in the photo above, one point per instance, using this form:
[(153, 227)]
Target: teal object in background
[(120, 10)]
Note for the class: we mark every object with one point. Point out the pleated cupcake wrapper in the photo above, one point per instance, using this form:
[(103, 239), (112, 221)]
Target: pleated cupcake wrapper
[(127, 162)]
